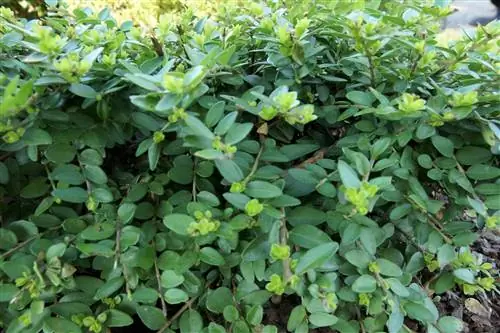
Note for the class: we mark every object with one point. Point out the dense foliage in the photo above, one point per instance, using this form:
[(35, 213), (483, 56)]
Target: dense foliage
[(330, 156)]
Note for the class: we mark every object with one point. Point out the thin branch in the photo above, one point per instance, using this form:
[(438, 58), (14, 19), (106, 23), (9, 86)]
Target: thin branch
[(117, 245), (193, 189), (255, 164), (177, 314), (24, 243), (434, 223), (411, 239), (287, 272), (158, 281)]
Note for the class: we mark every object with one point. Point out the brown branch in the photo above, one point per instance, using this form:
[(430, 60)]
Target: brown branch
[(26, 242), (158, 281), (177, 314)]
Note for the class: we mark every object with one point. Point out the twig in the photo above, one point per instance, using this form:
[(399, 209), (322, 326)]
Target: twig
[(287, 272), (6, 155), (414, 65), (434, 223), (117, 245), (411, 239), (361, 326), (255, 164), (193, 189), (372, 70), (319, 155), (177, 314), (87, 182), (158, 281), (49, 177), (24, 243)]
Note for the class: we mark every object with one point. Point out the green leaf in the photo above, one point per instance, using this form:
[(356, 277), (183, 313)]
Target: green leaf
[(8, 239), (471, 155), (176, 296), (238, 200), (296, 151), (327, 189), (348, 175), (425, 131), (219, 299), (465, 275), (379, 147), (360, 161), (483, 172), (151, 316), (308, 236), (368, 240), (98, 231), (109, 287), (95, 174), (400, 211), (35, 189), (225, 124), (178, 223), (72, 194), (83, 90), (210, 154), (269, 329), (216, 328), (388, 268), (297, 317), (211, 256), (396, 321), (229, 170), (358, 258), (145, 295), (37, 137), (360, 97), (316, 257), (425, 161), (90, 157), (208, 198), (255, 315), (398, 288), (445, 282), (321, 319), (117, 318), (231, 313), (444, 145), (215, 113), (260, 189), (237, 133), (364, 284), (126, 212), (170, 279), (56, 250), (198, 127), (194, 77), (306, 215), (95, 250), (102, 195), (449, 324), (419, 312), (60, 153), (191, 321), (60, 324), (446, 255)]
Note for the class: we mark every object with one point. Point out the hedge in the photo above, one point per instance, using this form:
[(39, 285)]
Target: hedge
[(328, 156)]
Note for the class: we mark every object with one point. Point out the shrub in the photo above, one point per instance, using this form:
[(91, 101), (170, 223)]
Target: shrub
[(332, 157)]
